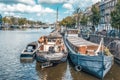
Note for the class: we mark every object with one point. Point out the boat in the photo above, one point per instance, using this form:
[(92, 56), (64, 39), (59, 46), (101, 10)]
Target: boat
[(92, 58), (52, 50), (45, 27), (29, 51)]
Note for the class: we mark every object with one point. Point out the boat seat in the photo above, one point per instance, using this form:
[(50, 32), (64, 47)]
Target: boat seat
[(29, 50)]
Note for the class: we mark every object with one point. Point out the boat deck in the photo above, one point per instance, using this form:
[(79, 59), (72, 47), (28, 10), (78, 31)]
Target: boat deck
[(77, 41), (83, 46)]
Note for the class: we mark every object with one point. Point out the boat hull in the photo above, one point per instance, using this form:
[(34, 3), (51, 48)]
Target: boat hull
[(94, 65), (27, 56), (30, 53), (42, 59)]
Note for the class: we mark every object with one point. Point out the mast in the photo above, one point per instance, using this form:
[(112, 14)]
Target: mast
[(56, 17)]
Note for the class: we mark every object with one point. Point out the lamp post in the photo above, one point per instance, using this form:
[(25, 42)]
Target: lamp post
[(107, 15)]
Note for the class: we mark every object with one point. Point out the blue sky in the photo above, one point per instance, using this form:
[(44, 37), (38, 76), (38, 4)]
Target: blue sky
[(42, 10)]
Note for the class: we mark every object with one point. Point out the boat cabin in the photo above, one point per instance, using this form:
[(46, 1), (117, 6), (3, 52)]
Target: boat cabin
[(72, 32), (51, 44), (30, 47), (82, 46)]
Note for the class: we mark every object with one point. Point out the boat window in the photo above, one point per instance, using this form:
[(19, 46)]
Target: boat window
[(30, 47), (51, 49)]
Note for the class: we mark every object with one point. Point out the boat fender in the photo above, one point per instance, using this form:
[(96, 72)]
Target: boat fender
[(78, 68)]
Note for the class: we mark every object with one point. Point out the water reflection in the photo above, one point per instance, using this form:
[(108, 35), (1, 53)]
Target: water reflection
[(51, 73), (80, 75), (12, 68), (26, 60)]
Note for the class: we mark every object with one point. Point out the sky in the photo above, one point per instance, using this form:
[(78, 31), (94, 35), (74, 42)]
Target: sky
[(42, 10)]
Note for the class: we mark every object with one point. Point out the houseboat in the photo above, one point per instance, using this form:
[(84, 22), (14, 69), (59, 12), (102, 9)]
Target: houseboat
[(52, 50), (92, 58)]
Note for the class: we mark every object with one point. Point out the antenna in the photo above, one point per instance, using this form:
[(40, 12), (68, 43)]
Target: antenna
[(57, 15)]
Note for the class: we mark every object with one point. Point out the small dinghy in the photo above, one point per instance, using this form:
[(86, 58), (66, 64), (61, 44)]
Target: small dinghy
[(29, 51), (52, 49)]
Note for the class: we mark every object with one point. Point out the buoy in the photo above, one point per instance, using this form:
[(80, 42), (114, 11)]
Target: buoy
[(78, 68)]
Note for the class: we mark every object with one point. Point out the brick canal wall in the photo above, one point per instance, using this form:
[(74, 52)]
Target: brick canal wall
[(97, 39)]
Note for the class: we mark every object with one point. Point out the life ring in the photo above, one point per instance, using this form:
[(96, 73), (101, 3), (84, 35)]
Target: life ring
[(78, 68)]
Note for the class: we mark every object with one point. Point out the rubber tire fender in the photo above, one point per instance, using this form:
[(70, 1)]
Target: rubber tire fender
[(78, 68)]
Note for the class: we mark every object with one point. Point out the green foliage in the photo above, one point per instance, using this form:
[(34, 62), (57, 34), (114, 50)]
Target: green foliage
[(14, 20), (22, 21), (95, 17), (19, 21), (7, 20), (77, 14), (84, 20), (68, 22), (115, 16)]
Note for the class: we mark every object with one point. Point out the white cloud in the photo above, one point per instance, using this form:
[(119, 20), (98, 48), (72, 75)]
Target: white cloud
[(22, 8), (51, 1), (29, 2), (38, 14), (48, 10), (81, 3), (67, 6)]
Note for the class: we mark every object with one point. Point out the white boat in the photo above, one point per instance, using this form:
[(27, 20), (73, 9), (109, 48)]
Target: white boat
[(52, 49), (29, 51)]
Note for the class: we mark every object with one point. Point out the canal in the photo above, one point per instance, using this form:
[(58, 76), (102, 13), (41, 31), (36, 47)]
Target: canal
[(11, 68)]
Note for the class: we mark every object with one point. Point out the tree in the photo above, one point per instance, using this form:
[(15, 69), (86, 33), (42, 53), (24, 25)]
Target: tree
[(68, 22), (14, 20), (22, 21), (95, 17), (77, 14), (115, 16), (84, 21), (6, 20)]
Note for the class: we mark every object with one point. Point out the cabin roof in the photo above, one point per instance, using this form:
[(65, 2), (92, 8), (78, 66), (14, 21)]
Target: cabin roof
[(77, 41), (55, 34)]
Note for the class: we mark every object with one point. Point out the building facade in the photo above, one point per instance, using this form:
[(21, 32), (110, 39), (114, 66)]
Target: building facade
[(106, 7), (88, 13)]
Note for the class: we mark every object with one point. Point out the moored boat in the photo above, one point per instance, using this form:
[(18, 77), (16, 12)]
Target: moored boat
[(87, 56), (29, 51), (52, 50)]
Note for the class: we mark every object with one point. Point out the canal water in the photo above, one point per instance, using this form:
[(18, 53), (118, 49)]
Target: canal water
[(11, 68)]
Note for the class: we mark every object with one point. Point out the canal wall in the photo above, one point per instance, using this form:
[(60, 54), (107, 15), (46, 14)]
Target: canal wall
[(97, 39)]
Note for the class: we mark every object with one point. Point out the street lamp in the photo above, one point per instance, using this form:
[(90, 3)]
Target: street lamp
[(107, 15)]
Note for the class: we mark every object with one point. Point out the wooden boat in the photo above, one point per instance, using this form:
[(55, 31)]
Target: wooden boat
[(52, 49), (29, 51), (87, 56)]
